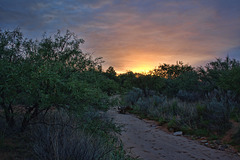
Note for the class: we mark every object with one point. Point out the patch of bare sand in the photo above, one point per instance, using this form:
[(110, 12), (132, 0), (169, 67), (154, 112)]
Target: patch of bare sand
[(146, 141)]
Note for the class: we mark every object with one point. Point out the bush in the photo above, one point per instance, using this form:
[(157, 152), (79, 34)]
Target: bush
[(217, 115), (159, 100), (172, 123), (133, 96), (59, 138), (144, 104), (188, 96)]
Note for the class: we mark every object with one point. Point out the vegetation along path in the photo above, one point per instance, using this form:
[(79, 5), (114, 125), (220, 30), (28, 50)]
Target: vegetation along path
[(144, 140)]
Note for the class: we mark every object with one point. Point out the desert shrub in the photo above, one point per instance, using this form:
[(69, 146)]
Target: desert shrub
[(61, 137), (62, 142), (132, 96), (144, 104), (188, 96), (187, 130), (174, 108), (159, 100), (232, 83), (201, 109), (170, 109), (161, 108), (171, 88), (162, 120), (217, 115), (173, 123), (98, 123), (220, 106), (184, 113), (201, 132)]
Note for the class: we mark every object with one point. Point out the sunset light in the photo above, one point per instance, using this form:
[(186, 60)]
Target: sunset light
[(120, 79), (136, 35)]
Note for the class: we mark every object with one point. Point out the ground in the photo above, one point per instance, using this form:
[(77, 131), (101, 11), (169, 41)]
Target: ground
[(145, 140)]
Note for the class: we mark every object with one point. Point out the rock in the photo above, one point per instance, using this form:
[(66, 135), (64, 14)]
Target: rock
[(179, 133), (203, 141), (222, 147)]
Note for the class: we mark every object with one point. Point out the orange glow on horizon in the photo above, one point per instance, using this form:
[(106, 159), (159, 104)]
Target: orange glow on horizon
[(137, 69), (141, 69)]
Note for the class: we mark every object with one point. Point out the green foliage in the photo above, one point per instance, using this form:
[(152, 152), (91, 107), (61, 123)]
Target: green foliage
[(212, 75), (127, 80), (201, 132), (218, 116), (201, 109), (52, 72), (188, 96), (133, 96), (38, 77), (230, 80), (171, 71), (162, 121), (111, 72), (187, 130), (63, 137), (172, 123)]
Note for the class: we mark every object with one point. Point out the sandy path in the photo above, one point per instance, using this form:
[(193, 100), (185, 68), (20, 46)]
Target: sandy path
[(144, 140)]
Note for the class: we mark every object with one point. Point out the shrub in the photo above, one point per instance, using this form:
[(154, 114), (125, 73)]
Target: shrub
[(172, 123), (144, 104), (219, 107), (161, 120), (59, 138), (63, 142), (201, 132), (132, 96), (217, 115), (188, 96), (159, 100)]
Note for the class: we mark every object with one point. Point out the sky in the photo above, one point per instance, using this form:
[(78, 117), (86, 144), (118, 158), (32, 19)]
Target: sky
[(136, 35)]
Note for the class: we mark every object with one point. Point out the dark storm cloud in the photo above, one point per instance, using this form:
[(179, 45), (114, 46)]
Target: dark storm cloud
[(136, 33)]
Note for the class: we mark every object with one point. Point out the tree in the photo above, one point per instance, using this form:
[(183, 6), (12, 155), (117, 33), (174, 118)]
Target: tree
[(230, 80), (111, 71), (210, 74), (171, 71), (127, 80), (39, 75)]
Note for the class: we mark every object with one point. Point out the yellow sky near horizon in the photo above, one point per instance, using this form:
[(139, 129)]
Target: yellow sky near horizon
[(137, 35)]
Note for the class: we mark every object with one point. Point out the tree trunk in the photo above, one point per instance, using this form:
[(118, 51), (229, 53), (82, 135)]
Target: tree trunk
[(29, 116), (9, 115)]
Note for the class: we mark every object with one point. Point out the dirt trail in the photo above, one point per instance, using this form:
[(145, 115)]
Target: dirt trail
[(144, 140)]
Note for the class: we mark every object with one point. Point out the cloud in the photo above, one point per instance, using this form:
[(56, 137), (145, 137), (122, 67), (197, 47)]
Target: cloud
[(135, 33)]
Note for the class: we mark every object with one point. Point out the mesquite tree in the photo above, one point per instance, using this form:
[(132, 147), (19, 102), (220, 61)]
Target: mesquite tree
[(36, 76)]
